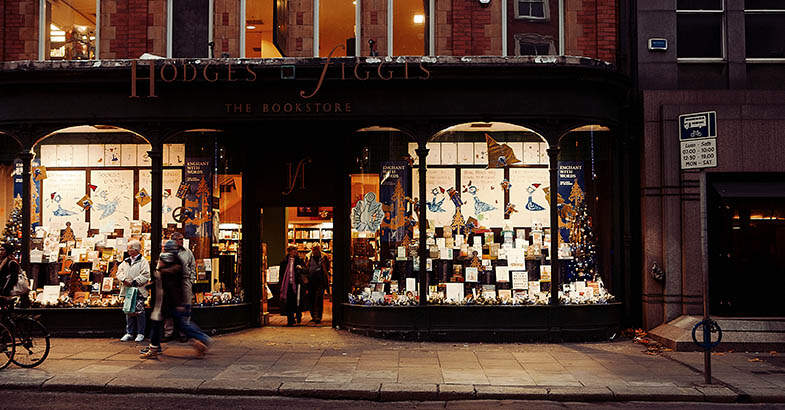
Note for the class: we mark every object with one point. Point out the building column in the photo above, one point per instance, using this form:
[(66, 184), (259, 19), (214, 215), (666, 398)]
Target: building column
[(26, 158), (422, 153), (553, 156), (157, 174)]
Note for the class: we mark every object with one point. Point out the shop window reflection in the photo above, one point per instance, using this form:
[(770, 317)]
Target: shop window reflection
[(71, 30)]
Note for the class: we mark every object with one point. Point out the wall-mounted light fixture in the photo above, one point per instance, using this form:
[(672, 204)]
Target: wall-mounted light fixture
[(485, 3)]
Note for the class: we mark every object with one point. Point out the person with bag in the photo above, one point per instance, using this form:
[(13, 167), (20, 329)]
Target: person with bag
[(169, 277), (134, 274), (291, 286), (10, 273), (318, 266)]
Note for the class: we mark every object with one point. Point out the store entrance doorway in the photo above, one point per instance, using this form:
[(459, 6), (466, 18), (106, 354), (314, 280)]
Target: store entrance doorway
[(305, 229)]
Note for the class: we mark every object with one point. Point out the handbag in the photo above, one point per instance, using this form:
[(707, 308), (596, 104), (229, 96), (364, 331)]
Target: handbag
[(129, 306), (22, 286)]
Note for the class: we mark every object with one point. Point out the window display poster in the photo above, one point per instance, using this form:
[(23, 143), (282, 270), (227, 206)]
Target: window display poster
[(171, 181), (80, 156), (481, 153), (434, 153), (449, 153), (531, 153), (129, 156), (113, 199), (60, 192), (527, 194), (142, 158), (35, 191), (520, 280), (393, 190), (198, 224), (65, 155), (471, 274), (49, 155), (112, 155), (466, 153), (483, 196), (572, 190), (412, 150), (502, 274), (95, 155), (177, 155), (441, 207), (517, 149)]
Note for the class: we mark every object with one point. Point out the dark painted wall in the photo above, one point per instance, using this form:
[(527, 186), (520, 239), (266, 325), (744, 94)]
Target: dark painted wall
[(190, 20)]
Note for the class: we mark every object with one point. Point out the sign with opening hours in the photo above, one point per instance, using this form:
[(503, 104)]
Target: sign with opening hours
[(699, 153)]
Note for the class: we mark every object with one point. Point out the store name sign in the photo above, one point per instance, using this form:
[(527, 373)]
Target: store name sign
[(698, 140), (186, 72)]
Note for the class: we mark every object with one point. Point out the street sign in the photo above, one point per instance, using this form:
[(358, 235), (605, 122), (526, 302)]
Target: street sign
[(699, 153), (698, 125)]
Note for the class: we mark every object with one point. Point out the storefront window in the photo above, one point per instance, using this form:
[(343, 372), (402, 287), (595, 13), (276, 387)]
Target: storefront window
[(336, 27), (71, 30), (92, 194), (408, 27), (383, 220), (259, 29), (585, 201)]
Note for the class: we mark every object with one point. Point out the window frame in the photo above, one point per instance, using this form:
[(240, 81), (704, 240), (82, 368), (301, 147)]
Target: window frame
[(43, 29), (723, 34), (546, 11), (534, 38), (761, 60)]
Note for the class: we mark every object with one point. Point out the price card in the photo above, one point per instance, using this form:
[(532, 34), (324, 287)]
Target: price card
[(458, 240), (441, 242), (454, 292), (411, 285), (471, 274), (429, 264), (534, 287), (545, 273), (477, 241), (402, 252)]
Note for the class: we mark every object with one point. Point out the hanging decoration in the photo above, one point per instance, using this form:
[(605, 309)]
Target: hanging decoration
[(39, 173), (367, 214), (85, 203), (499, 155), (142, 197)]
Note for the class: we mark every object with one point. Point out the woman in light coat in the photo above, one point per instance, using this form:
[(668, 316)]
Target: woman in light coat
[(134, 272)]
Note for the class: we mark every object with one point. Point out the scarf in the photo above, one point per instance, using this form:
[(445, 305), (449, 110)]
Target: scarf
[(288, 278)]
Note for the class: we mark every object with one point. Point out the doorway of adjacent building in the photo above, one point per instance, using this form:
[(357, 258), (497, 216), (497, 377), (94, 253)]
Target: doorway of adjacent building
[(304, 228), (746, 248)]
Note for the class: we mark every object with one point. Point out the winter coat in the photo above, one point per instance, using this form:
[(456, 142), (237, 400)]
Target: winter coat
[(9, 275), (137, 272), (168, 285)]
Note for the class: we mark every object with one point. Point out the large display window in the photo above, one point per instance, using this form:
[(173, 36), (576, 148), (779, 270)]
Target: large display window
[(488, 212), (92, 194)]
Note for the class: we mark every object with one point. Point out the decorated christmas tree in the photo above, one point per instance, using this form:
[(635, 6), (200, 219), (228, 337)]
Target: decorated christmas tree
[(13, 227), (583, 245)]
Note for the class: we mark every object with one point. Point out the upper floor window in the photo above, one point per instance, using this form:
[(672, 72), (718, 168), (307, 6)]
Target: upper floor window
[(531, 44), (70, 30), (408, 27), (531, 9), (337, 27), (259, 28), (699, 29), (764, 24)]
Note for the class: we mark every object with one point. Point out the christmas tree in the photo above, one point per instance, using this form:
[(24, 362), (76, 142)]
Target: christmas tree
[(583, 245), (13, 228)]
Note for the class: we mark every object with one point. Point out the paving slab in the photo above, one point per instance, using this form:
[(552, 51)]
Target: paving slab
[(580, 394), (244, 387), (718, 394), (409, 392), (456, 392), (164, 385), (80, 383), (644, 393), (511, 392), (346, 391)]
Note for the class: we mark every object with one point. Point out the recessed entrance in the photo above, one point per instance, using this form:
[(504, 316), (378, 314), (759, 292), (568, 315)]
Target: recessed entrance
[(305, 229)]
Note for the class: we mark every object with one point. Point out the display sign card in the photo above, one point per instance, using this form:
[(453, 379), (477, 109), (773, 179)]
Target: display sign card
[(449, 153), (273, 274), (49, 155), (454, 292), (517, 149), (401, 253), (594, 285), (394, 286), (416, 263), (502, 274), (503, 252), (411, 284), (545, 273), (531, 153), (517, 259), (481, 153), (588, 292), (446, 253), (441, 242), (465, 153), (486, 263), (477, 241), (505, 294), (534, 287), (544, 153), (377, 276), (519, 279), (471, 274), (434, 153), (412, 150), (50, 294), (580, 285), (36, 256), (107, 284), (429, 264), (459, 241), (129, 155), (95, 155), (493, 250)]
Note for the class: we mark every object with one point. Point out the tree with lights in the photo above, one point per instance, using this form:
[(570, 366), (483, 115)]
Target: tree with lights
[(13, 227), (583, 245)]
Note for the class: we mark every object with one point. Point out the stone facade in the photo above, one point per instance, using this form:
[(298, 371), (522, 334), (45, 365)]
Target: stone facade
[(130, 28), (226, 27), (373, 26)]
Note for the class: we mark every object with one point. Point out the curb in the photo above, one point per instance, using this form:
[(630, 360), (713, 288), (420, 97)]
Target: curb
[(390, 392)]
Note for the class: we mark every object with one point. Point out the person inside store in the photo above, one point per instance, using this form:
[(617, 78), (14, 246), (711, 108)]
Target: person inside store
[(9, 274), (168, 281), (134, 272), (318, 267), (189, 266), (293, 269)]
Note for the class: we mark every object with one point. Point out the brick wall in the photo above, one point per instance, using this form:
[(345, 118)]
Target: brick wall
[(476, 30), (299, 41), (20, 30), (130, 28), (374, 26), (591, 29), (226, 27)]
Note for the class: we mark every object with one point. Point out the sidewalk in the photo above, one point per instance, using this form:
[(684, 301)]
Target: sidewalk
[(325, 363)]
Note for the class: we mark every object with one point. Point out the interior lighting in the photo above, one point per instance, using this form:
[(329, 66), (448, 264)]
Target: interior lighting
[(250, 27), (419, 18)]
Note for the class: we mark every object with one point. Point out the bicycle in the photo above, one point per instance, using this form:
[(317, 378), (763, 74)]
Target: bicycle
[(7, 347), (29, 339)]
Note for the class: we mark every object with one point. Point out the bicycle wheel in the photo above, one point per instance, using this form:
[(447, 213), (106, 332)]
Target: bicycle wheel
[(32, 342), (6, 346)]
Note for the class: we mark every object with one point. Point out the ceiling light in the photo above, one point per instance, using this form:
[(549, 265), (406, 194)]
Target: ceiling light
[(419, 18), (250, 27)]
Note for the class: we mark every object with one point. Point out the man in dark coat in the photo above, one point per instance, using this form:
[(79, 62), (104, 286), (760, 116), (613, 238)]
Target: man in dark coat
[(291, 270)]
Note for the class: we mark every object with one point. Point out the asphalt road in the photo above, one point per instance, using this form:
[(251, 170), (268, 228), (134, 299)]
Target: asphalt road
[(17, 399)]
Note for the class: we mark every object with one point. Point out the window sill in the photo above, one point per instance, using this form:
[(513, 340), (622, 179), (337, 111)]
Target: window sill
[(712, 60), (533, 19), (764, 60)]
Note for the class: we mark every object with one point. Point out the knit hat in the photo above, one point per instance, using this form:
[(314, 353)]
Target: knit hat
[(171, 246)]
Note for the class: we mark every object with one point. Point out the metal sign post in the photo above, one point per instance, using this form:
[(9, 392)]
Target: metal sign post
[(698, 149)]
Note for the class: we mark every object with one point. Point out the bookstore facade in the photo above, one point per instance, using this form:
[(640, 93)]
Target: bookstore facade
[(483, 199)]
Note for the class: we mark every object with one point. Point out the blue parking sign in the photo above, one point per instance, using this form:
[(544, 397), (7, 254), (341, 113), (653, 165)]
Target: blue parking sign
[(698, 125)]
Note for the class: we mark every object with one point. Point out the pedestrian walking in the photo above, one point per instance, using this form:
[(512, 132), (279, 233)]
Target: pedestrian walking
[(134, 274), (169, 300), (189, 266)]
